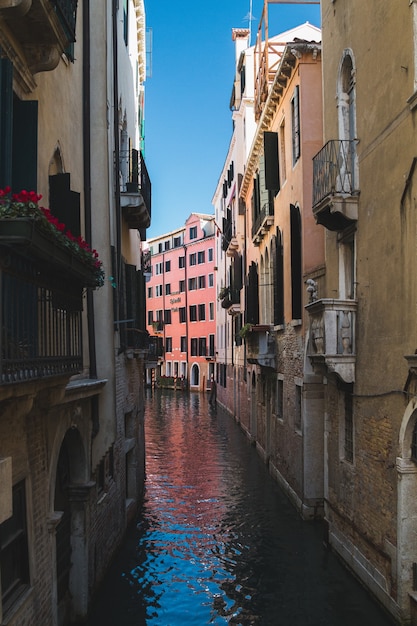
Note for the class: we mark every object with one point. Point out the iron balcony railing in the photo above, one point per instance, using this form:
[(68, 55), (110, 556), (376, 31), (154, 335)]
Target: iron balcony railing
[(40, 321), (266, 211), (134, 176), (334, 170)]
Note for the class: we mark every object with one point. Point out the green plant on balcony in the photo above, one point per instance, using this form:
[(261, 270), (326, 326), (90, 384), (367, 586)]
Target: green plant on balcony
[(245, 330), (223, 293), (24, 207)]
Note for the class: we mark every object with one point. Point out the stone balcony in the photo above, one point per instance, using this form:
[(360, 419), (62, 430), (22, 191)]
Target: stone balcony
[(332, 344), (261, 347)]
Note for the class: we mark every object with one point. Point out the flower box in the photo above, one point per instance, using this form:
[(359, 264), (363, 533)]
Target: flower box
[(27, 235)]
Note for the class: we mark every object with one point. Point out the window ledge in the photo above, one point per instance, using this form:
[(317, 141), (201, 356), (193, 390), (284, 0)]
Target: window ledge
[(279, 327), (296, 322)]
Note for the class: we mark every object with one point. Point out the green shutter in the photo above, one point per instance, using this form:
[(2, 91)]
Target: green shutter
[(25, 145), (6, 122)]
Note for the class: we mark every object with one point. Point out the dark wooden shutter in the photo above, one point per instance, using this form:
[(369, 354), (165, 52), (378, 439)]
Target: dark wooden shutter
[(64, 203), (252, 296), (296, 268), (6, 122), (25, 145), (272, 182)]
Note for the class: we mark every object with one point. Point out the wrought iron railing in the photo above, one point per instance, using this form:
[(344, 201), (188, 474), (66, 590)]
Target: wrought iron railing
[(40, 321), (155, 347), (334, 170), (266, 211), (134, 175)]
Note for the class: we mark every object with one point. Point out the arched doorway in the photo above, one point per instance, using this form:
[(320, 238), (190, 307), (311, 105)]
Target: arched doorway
[(69, 502), (253, 408), (195, 375), (407, 504)]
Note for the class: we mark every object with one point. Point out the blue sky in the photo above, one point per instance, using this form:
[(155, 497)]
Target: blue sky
[(188, 124)]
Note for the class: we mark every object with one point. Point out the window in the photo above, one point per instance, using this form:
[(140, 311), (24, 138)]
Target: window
[(192, 284), (295, 121), (348, 439), (160, 247), (168, 344), (193, 259), (211, 280), (296, 265), (167, 316), (211, 311), (201, 282), (183, 344), (14, 559), (167, 245), (168, 289), (202, 346), (210, 254), (177, 242), (150, 317), (211, 345), (297, 416), (182, 314), (282, 151), (194, 347), (149, 292), (159, 315), (158, 290), (201, 312), (167, 266), (193, 313), (193, 232), (280, 399), (201, 257), (182, 285), (159, 268), (181, 262)]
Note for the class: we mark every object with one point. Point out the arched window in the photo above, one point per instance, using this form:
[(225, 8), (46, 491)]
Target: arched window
[(414, 444), (296, 264), (277, 273)]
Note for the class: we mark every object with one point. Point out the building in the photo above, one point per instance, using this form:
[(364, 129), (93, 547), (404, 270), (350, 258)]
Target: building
[(271, 250), (363, 317), (181, 297), (74, 343)]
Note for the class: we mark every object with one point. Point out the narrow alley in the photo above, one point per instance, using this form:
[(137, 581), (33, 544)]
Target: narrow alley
[(217, 542)]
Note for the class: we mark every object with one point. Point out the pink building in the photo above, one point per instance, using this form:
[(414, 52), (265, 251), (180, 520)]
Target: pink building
[(181, 295)]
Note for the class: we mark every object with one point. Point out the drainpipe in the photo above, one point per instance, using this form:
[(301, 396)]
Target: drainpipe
[(87, 177), (186, 313), (118, 260)]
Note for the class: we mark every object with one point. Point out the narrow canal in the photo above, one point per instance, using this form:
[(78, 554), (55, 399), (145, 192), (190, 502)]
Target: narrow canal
[(217, 542)]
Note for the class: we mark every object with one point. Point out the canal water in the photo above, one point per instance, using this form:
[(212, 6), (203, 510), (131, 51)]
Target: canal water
[(216, 541)]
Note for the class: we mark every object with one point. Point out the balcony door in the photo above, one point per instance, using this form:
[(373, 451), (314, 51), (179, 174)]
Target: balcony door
[(346, 103)]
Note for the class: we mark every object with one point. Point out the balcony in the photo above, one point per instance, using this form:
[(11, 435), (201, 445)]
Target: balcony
[(43, 337), (155, 352), (261, 347), (230, 300), (43, 29), (332, 337), (262, 223), (135, 190), (335, 192)]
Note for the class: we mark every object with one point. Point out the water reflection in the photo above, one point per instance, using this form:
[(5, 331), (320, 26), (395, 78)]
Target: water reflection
[(217, 542)]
